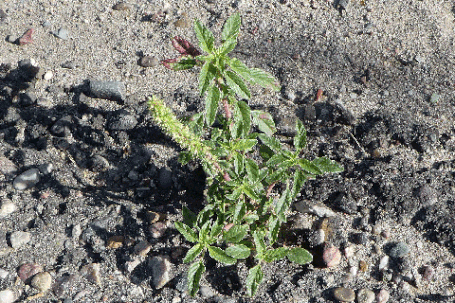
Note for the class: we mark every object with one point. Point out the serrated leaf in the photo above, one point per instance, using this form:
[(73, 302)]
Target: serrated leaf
[(251, 218), (221, 256), (239, 211), (193, 253), (300, 137), (180, 63), (299, 180), (274, 230), (283, 204), (238, 251), (217, 227), (258, 239), (237, 85), (299, 255), (278, 175), (227, 46), (327, 166), (273, 255), (265, 152), (264, 122), (252, 170), (275, 160), (245, 144), (186, 231), (205, 36), (236, 233), (206, 76), (231, 27), (250, 192), (204, 233), (239, 163), (189, 218), (195, 273), (185, 157), (271, 142), (253, 75), (211, 104), (246, 116), (254, 279), (309, 166)]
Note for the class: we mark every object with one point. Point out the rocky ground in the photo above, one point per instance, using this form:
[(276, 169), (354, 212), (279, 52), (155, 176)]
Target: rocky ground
[(90, 187)]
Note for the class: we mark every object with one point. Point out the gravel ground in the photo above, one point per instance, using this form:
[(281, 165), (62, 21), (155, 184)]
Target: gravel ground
[(90, 187)]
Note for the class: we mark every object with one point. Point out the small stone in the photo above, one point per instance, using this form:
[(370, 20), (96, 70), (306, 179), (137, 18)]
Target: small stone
[(183, 22), (131, 265), (7, 167), (331, 256), (382, 296), (317, 237), (142, 248), (157, 229), (28, 69), (148, 61), (48, 75), (206, 292), (27, 98), (428, 273), (3, 274), (27, 179), (46, 24), (68, 64), (122, 120), (365, 296), (343, 294), (360, 238), (28, 270), (92, 273), (161, 271), (363, 266), (428, 196), (62, 33), (3, 15), (385, 234), (7, 296), (121, 6), (99, 163), (399, 250), (383, 263), (153, 217), (19, 238), (115, 242), (11, 39), (42, 281), (111, 90), (7, 207), (46, 168), (319, 209), (26, 38), (447, 291)]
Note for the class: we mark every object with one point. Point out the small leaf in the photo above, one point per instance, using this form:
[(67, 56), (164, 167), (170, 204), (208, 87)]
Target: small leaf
[(186, 231), (221, 256), (206, 76), (195, 273), (253, 75), (185, 157), (274, 230), (204, 233), (253, 280), (252, 170), (309, 167), (251, 218), (275, 160), (250, 192), (283, 204), (271, 142), (237, 85), (239, 163), (238, 251), (264, 122), (239, 211), (231, 27), (299, 255), (275, 254), (327, 166), (299, 180), (184, 47), (204, 35), (278, 175), (258, 238), (227, 46), (300, 137), (217, 227), (180, 63), (245, 144), (265, 152), (236, 233), (246, 116), (211, 104), (193, 253), (189, 218)]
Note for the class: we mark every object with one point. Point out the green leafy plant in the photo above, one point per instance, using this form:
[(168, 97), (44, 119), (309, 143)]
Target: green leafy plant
[(242, 159)]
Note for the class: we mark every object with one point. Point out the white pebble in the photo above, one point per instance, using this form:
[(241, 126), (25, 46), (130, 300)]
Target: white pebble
[(7, 207), (48, 75), (7, 296)]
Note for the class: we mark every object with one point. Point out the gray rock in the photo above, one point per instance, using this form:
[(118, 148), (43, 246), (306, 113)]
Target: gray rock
[(27, 179), (7, 296), (99, 163), (384, 263), (344, 294), (161, 271), (428, 273), (62, 33), (148, 61), (382, 296), (206, 291), (7, 167), (427, 195), (111, 90), (319, 209), (27, 98), (7, 207), (46, 24), (28, 270), (317, 237), (46, 168), (92, 273), (19, 238), (122, 121), (62, 128), (365, 296), (182, 283), (68, 64), (399, 250), (3, 274), (42, 281)]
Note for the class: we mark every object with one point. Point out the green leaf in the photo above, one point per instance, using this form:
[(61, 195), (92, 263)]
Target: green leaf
[(193, 253), (253, 280), (231, 27), (264, 122), (309, 167), (300, 137), (251, 218), (185, 157), (246, 116), (299, 180), (217, 227), (206, 76), (299, 255), (204, 233), (244, 144), (236, 233), (252, 170), (195, 273), (211, 104), (237, 85), (258, 238), (238, 251), (274, 230), (327, 166), (189, 218), (227, 46), (239, 211), (275, 160), (186, 231), (250, 192), (239, 163), (205, 36), (275, 254), (180, 63), (283, 204), (271, 142), (278, 175), (253, 75), (221, 256), (265, 152)]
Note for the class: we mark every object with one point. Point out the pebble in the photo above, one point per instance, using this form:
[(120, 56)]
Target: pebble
[(11, 39), (365, 296), (399, 250), (27, 98), (46, 24), (142, 248), (3, 273), (28, 270), (111, 90), (148, 61), (99, 163), (62, 33), (319, 210), (42, 281), (317, 237), (68, 64), (447, 291), (3, 15), (27, 179), (183, 22), (48, 75), (28, 69), (7, 207), (360, 238), (428, 196), (122, 121), (7, 296), (46, 168), (428, 273), (344, 294), (331, 256), (153, 217), (115, 242), (383, 263), (121, 6), (62, 128), (382, 296), (19, 238), (92, 273), (26, 38), (161, 271), (206, 291), (7, 167), (157, 229)]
